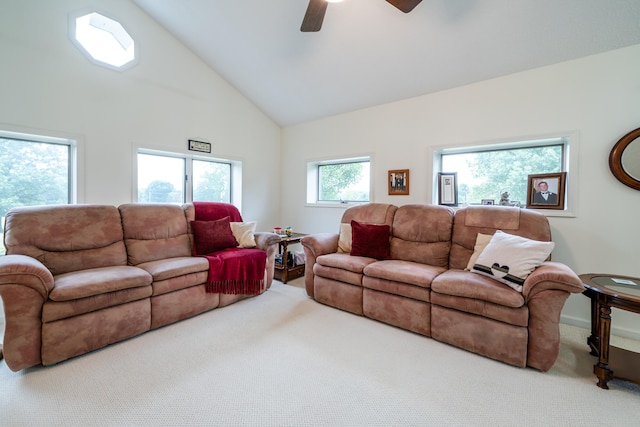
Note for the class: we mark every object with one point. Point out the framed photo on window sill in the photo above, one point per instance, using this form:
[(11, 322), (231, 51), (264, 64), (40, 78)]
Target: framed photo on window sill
[(546, 191), (398, 181), (448, 188)]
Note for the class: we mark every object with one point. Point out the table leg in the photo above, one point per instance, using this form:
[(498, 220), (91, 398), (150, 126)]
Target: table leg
[(601, 369), (285, 262), (593, 341)]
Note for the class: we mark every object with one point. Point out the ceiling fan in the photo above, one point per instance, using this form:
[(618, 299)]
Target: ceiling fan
[(315, 12)]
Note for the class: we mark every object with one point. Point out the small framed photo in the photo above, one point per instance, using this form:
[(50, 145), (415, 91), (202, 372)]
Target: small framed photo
[(398, 182), (448, 188), (546, 190), (490, 202)]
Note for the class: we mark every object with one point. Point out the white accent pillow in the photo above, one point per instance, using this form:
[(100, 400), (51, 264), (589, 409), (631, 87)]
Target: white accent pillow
[(243, 232), (344, 241), (510, 259), (482, 240)]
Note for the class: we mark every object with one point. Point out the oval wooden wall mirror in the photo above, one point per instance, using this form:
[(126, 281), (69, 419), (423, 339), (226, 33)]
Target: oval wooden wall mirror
[(624, 160)]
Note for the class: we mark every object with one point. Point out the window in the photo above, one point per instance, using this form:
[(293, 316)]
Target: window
[(175, 178), (485, 172), (35, 170), (103, 40), (339, 181)]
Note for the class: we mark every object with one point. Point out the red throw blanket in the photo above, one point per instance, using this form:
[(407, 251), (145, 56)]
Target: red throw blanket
[(237, 271)]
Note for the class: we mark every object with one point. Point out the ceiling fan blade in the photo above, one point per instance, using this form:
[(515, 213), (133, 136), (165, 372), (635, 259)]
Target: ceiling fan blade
[(405, 5), (314, 16)]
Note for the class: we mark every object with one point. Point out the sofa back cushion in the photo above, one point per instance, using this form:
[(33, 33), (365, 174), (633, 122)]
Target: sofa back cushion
[(470, 221), (67, 238), (154, 231), (370, 213), (422, 233)]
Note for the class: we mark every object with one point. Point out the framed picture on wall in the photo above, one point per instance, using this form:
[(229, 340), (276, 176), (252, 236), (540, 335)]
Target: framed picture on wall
[(546, 190), (448, 188), (398, 181), (488, 202)]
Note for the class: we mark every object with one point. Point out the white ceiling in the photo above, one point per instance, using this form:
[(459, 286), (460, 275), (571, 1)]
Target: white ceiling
[(369, 53)]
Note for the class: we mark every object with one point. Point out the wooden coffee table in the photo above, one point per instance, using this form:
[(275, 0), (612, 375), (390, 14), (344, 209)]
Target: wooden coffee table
[(607, 291)]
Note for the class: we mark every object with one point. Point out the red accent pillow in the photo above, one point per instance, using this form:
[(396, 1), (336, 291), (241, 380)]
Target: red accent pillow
[(212, 236), (370, 240)]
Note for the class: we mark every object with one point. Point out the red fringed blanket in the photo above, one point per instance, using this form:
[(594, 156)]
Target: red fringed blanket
[(236, 271), (232, 270)]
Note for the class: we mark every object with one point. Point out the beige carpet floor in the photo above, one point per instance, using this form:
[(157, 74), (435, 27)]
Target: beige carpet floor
[(282, 359)]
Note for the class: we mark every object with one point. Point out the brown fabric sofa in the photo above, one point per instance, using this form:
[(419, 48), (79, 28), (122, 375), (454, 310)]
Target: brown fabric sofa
[(424, 286), (79, 277)]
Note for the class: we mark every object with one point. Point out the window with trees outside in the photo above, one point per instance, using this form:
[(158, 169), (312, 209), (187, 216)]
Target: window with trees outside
[(485, 173), (35, 170), (175, 178), (339, 181)]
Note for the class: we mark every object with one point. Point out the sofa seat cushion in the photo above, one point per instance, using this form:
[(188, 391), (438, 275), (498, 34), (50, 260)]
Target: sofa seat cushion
[(173, 267), (91, 290), (173, 274), (466, 284), (517, 316), (391, 287), (53, 310), (347, 262), (409, 272), (341, 267), (96, 281)]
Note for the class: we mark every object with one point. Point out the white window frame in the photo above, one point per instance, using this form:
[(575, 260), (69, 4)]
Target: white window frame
[(313, 183), (571, 142), (76, 153), (235, 179)]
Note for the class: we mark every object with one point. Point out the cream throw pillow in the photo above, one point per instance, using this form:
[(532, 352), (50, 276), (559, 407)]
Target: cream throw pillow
[(344, 241), (482, 240), (243, 232), (510, 259)]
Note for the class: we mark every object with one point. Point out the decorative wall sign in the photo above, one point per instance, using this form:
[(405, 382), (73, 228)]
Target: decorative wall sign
[(203, 147)]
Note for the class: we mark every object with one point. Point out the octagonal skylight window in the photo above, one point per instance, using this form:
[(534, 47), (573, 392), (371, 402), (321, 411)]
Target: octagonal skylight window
[(104, 40)]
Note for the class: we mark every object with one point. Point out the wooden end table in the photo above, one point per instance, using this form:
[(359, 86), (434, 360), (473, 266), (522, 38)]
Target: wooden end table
[(284, 272), (607, 291)]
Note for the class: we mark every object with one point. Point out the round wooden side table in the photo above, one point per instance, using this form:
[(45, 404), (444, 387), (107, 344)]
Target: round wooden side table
[(607, 291)]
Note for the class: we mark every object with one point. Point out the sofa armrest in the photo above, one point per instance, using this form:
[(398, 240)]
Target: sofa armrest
[(551, 276), (24, 287), (268, 242), (265, 239), (315, 245), (320, 244), (26, 271)]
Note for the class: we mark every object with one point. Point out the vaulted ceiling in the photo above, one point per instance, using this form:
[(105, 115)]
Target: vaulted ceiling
[(369, 53)]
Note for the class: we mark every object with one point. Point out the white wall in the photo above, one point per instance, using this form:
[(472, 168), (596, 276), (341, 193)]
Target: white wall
[(596, 96), (170, 96)]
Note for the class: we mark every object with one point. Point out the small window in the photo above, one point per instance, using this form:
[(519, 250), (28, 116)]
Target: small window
[(35, 170), (103, 40), (339, 181), (177, 178), (485, 173)]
